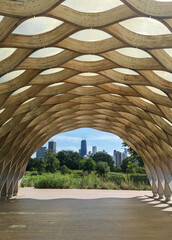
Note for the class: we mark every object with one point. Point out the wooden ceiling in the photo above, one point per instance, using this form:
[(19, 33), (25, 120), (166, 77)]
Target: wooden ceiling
[(35, 105)]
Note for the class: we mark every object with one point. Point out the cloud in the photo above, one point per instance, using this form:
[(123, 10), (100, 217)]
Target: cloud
[(92, 137), (66, 138), (104, 137)]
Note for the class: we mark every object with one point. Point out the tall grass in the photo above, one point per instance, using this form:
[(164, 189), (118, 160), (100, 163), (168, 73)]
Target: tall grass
[(80, 180)]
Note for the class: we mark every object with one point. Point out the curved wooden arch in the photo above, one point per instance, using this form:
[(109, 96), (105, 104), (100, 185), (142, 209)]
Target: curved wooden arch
[(135, 104)]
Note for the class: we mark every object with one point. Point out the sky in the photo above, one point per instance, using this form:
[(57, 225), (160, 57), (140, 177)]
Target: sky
[(72, 140)]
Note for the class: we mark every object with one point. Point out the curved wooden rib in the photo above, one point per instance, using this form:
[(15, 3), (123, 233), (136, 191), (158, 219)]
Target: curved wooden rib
[(105, 95), (138, 40), (27, 8), (92, 19), (91, 47), (39, 40), (151, 8)]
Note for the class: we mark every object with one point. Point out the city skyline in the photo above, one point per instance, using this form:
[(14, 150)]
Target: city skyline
[(72, 140)]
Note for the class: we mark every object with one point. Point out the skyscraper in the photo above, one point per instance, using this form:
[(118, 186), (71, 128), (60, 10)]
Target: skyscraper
[(41, 153), (125, 151), (123, 156), (83, 147), (114, 157), (94, 150), (52, 146), (118, 158)]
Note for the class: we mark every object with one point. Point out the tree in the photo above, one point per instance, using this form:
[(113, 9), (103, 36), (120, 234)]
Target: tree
[(41, 166), (131, 167), (103, 157), (69, 158), (134, 155), (33, 164), (125, 163), (81, 164), (102, 168), (89, 165), (52, 163)]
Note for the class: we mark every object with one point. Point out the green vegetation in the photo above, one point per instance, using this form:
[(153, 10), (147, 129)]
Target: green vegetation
[(82, 180), (102, 168), (69, 158), (67, 169), (89, 165), (71, 161), (103, 157)]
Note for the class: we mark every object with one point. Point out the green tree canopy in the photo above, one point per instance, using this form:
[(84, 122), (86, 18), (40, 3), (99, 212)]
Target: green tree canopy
[(133, 155), (52, 163), (33, 164), (70, 159), (102, 168), (125, 163), (103, 157), (41, 165), (131, 167), (89, 165)]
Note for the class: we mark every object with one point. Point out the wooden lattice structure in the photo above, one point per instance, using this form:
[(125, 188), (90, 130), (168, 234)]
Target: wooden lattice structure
[(120, 83)]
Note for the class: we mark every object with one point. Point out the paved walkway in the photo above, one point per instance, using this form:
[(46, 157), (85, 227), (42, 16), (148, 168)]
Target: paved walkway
[(84, 215)]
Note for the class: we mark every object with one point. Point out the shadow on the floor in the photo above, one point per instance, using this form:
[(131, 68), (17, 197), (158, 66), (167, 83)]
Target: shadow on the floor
[(155, 202), (83, 219)]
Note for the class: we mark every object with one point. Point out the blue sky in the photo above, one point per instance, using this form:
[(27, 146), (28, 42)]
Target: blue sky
[(72, 140)]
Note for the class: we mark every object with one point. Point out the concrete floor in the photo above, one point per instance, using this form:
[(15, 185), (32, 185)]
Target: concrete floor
[(84, 215)]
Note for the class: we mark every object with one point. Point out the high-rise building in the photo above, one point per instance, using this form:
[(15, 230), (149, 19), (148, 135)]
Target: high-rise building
[(52, 146), (83, 147), (94, 150), (114, 157), (41, 153), (124, 154), (118, 158), (125, 151), (89, 154)]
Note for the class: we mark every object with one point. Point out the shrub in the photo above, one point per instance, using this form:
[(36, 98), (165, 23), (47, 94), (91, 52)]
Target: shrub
[(65, 170), (108, 185), (90, 181), (33, 173), (89, 165), (124, 186), (140, 170), (139, 178), (28, 181), (118, 178), (51, 181), (102, 168), (117, 169)]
